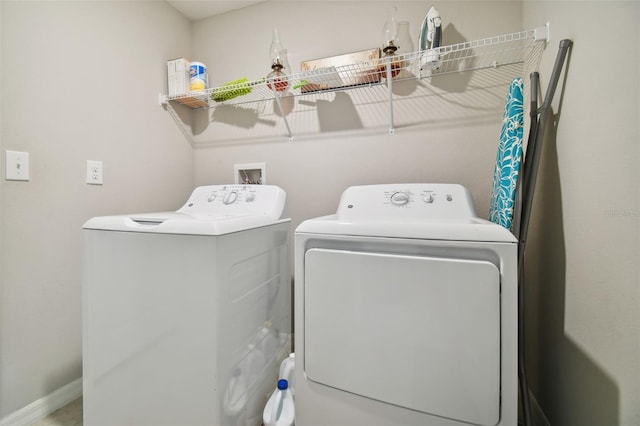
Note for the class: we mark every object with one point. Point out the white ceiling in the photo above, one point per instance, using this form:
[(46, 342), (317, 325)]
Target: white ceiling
[(199, 9)]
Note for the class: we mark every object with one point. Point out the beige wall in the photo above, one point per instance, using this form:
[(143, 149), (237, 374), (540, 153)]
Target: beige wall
[(583, 277), (80, 81)]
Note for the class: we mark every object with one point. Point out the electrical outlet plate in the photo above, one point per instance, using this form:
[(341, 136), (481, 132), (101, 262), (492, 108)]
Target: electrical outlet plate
[(250, 173), (94, 172), (17, 165)]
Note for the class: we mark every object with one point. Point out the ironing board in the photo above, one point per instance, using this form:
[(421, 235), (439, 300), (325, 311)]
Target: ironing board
[(526, 188), (509, 157)]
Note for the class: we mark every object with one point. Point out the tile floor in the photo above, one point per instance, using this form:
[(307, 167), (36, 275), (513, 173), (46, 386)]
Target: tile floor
[(69, 415)]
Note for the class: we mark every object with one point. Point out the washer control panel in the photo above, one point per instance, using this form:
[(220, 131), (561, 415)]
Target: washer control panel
[(235, 200), (420, 202)]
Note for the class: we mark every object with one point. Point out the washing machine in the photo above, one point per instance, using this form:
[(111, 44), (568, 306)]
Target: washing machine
[(187, 314), (405, 312)]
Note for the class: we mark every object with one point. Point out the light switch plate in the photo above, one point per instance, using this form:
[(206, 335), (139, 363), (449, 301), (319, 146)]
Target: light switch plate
[(17, 165)]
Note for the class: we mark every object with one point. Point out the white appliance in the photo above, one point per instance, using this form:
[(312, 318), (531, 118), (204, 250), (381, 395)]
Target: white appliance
[(405, 312), (187, 314)]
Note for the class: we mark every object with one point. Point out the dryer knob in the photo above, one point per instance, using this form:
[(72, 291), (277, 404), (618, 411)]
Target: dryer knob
[(230, 198), (400, 198), (428, 198)]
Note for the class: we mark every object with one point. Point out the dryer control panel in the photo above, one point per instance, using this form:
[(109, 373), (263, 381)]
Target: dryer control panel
[(407, 202)]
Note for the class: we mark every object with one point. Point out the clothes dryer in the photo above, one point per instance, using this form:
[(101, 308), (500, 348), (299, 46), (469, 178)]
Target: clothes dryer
[(187, 314), (405, 312)]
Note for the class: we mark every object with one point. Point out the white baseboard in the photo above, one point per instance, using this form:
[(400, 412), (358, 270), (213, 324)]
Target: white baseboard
[(46, 405)]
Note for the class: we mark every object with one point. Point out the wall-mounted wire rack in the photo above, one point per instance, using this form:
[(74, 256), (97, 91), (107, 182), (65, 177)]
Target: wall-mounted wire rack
[(492, 52)]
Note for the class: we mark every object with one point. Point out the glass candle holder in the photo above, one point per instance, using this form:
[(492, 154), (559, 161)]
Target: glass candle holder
[(277, 79)]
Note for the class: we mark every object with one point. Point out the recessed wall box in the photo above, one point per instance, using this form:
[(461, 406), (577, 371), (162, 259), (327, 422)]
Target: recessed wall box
[(250, 174)]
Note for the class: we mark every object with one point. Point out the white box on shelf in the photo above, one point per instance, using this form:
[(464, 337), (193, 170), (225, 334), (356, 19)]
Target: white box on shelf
[(178, 76)]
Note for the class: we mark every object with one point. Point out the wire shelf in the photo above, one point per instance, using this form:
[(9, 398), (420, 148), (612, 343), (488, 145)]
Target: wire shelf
[(376, 76), (490, 52)]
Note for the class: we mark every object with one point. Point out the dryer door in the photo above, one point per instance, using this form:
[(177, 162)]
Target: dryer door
[(414, 331)]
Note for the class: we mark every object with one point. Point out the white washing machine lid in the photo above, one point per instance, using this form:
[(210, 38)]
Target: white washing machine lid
[(420, 211), (210, 210)]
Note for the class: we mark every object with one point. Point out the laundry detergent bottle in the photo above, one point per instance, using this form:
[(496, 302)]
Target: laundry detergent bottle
[(287, 371), (280, 410)]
